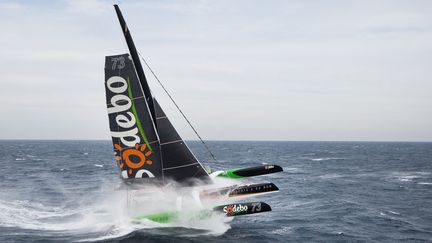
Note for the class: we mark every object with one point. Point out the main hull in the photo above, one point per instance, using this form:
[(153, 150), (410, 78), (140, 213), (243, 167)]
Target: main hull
[(228, 210)]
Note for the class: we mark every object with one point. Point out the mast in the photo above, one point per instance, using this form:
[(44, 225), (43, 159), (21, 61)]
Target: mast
[(137, 63)]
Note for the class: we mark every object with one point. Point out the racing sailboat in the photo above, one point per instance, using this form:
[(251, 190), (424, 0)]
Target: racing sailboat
[(149, 150)]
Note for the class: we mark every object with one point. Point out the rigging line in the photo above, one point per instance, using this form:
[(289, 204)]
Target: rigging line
[(178, 108)]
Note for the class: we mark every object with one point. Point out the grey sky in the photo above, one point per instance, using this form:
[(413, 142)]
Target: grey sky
[(274, 70)]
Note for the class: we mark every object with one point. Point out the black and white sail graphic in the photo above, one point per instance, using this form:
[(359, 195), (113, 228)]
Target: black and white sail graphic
[(145, 142), (179, 163), (134, 136)]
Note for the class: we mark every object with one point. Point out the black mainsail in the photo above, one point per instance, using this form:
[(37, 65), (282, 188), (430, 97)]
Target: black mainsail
[(146, 144), (134, 136)]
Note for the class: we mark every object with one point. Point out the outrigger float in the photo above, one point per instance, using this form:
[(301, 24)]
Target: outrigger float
[(149, 151)]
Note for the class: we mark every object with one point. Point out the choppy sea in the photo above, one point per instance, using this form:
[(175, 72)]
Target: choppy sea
[(64, 191)]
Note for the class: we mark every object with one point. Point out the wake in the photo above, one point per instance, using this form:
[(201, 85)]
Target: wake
[(110, 214)]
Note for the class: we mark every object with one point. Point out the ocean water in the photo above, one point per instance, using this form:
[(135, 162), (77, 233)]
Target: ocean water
[(68, 191)]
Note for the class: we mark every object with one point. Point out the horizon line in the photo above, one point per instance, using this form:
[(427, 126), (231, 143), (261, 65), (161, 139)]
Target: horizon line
[(231, 140)]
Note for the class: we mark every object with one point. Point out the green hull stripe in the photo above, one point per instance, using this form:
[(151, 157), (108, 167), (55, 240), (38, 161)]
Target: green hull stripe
[(164, 217), (136, 117), (230, 174), (167, 217)]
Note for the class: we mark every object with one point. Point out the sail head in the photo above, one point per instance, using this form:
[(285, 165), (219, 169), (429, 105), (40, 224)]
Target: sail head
[(136, 61)]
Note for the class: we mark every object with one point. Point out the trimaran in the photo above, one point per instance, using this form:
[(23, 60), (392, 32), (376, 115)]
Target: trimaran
[(149, 151)]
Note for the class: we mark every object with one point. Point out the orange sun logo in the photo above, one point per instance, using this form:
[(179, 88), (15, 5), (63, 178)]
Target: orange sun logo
[(230, 210), (133, 157)]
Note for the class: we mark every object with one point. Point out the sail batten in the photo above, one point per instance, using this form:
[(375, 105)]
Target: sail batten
[(175, 141), (180, 166)]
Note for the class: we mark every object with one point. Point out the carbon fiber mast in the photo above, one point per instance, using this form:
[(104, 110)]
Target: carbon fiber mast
[(136, 61)]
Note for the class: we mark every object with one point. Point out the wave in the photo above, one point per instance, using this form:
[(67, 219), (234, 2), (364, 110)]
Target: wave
[(109, 215), (327, 158), (331, 176), (285, 230), (424, 183), (389, 212), (410, 176), (292, 170), (393, 212)]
